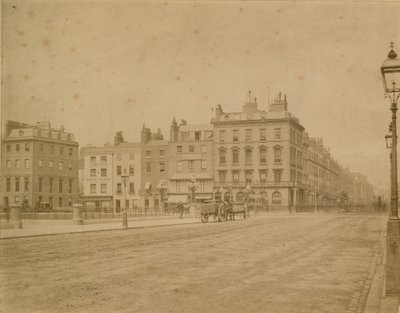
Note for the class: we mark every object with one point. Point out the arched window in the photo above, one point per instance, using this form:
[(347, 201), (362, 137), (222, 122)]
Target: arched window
[(222, 156), (248, 155), (276, 197), (277, 154), (227, 196), (263, 154), (217, 196), (235, 155)]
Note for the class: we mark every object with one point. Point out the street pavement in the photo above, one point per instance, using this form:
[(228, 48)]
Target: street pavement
[(279, 263)]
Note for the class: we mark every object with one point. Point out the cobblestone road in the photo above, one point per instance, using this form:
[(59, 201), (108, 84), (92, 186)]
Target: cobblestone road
[(290, 263)]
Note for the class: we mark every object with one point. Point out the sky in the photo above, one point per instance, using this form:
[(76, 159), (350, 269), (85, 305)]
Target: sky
[(98, 67)]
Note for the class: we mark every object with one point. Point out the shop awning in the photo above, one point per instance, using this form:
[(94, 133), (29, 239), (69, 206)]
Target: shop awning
[(177, 198)]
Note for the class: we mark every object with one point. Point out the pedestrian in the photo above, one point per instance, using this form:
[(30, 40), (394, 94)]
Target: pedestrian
[(180, 209)]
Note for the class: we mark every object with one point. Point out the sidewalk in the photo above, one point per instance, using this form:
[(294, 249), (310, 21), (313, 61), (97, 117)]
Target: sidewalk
[(32, 228)]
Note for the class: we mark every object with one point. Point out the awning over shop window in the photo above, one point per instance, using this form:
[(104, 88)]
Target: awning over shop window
[(177, 198), (147, 186)]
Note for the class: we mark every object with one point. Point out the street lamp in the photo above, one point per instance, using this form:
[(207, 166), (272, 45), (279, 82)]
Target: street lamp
[(162, 188), (192, 188), (125, 178), (391, 81)]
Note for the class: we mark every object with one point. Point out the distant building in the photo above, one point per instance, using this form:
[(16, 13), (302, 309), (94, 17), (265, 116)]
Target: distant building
[(191, 158), (39, 164)]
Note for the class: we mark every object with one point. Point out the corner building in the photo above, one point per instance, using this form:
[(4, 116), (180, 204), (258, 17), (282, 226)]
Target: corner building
[(261, 150)]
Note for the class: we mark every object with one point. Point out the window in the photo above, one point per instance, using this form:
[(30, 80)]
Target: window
[(191, 165), (235, 176), (61, 166), (26, 184), (263, 176), (222, 156), (50, 184), (70, 166), (8, 163), (162, 167), (60, 202), (222, 176), (70, 151), (191, 148), (103, 159), (41, 147), (119, 169), (203, 149), (17, 147), (131, 188), (60, 185), (17, 163), (50, 164), (179, 149), (248, 134), (278, 176), (235, 156), (148, 153), (276, 197), (69, 185), (179, 166), (203, 164), (17, 184), (248, 176), (277, 133), (119, 188), (263, 155), (92, 159), (148, 167), (249, 156), (162, 153), (92, 189), (263, 134), (61, 150), (103, 172), (277, 154), (40, 184), (26, 163), (51, 149), (235, 136), (27, 147), (197, 135), (40, 162), (92, 172), (222, 135), (8, 148), (16, 199), (103, 188), (8, 184)]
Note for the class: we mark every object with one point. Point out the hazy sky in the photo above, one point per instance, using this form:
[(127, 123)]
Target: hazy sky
[(101, 66)]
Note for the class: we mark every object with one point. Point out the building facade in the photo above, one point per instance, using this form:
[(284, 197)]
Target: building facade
[(39, 164)]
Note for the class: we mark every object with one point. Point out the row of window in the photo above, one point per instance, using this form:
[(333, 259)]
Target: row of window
[(191, 149), (161, 153), (191, 165), (43, 148), (248, 176), (161, 167), (249, 155), (17, 164), (262, 135), (276, 196), (17, 199), (25, 184), (103, 188), (295, 137), (296, 156)]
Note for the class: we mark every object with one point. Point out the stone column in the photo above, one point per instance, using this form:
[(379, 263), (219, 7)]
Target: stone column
[(77, 215), (16, 216)]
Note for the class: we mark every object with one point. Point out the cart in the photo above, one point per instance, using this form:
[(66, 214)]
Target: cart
[(222, 211)]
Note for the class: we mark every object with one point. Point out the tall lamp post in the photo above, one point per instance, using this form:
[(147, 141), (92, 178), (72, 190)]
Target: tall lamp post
[(391, 78), (125, 178), (162, 188)]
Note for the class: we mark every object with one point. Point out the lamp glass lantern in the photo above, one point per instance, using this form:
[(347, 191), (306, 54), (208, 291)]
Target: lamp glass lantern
[(390, 70)]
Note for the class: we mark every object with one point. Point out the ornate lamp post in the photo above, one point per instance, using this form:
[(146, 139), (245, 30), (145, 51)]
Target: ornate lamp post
[(125, 178), (162, 188), (391, 80)]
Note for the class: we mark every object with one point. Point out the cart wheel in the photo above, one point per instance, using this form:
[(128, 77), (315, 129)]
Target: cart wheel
[(221, 213), (204, 218)]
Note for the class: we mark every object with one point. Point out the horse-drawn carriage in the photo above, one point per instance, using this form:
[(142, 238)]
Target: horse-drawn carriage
[(222, 210)]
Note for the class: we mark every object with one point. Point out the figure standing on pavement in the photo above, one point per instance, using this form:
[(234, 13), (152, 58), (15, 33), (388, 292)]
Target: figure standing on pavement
[(180, 209)]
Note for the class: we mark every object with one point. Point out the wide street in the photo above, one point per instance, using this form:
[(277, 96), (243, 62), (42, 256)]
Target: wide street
[(280, 263)]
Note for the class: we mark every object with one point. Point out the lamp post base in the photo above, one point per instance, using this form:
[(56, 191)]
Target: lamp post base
[(393, 257)]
